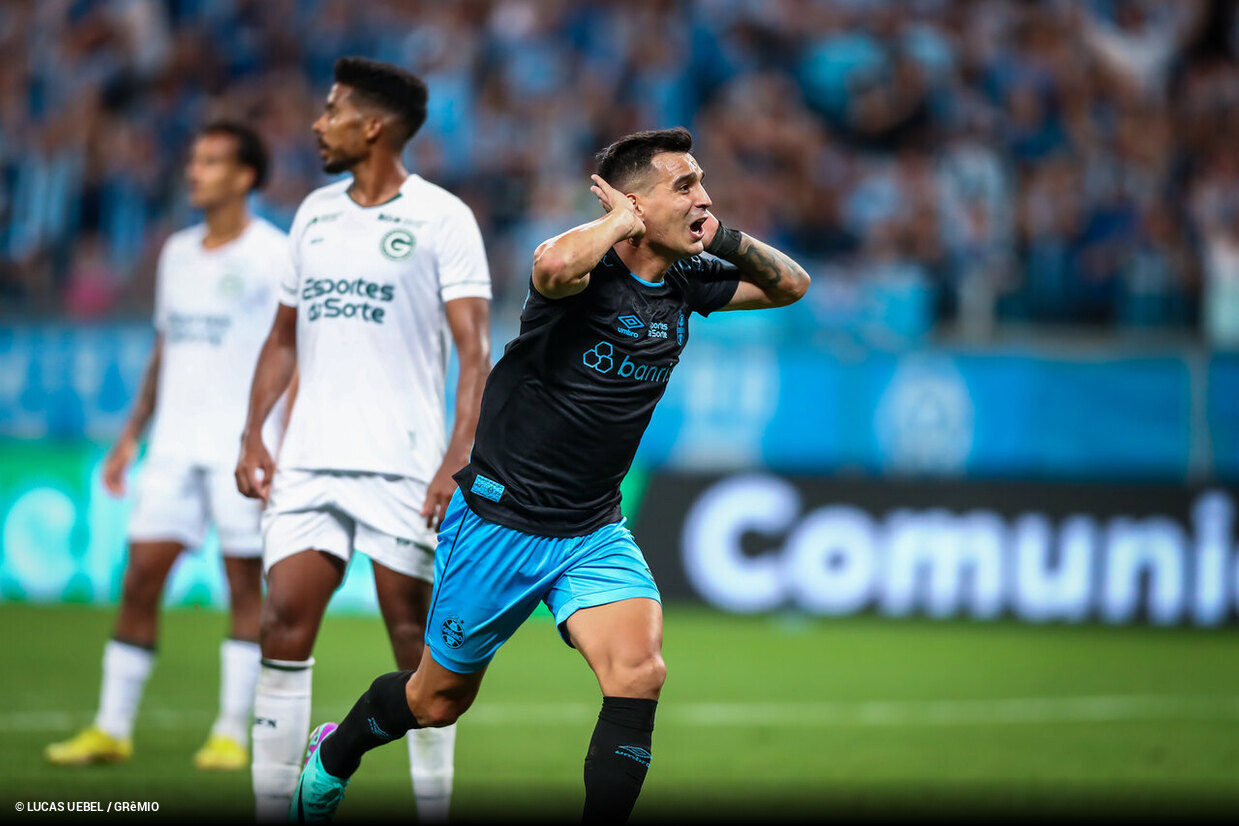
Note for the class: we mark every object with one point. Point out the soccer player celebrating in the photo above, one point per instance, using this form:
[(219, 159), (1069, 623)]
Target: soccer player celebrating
[(384, 265), (216, 291), (537, 515)]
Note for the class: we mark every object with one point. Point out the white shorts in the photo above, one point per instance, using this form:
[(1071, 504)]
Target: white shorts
[(342, 511), (178, 502)]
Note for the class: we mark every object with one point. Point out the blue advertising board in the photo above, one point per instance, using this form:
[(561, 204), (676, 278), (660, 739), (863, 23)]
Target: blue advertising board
[(742, 397)]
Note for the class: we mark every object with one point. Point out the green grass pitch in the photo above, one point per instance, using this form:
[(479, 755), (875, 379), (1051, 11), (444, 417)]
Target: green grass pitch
[(770, 718)]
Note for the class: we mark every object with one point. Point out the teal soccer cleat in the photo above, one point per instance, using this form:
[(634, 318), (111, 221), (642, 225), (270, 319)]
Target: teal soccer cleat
[(318, 793)]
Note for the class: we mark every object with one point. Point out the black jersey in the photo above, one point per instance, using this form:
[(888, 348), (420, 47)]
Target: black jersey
[(565, 407)]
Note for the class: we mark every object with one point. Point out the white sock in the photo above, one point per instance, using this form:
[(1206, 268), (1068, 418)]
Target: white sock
[(432, 752), (281, 727), (125, 669), (239, 662)]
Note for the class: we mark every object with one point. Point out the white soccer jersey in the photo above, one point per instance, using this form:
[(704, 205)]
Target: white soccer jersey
[(370, 284), (214, 308)]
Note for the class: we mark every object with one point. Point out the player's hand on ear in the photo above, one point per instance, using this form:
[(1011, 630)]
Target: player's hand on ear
[(612, 200), (116, 463), (438, 495), (255, 469)]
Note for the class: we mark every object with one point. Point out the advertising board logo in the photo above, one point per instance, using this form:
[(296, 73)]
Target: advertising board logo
[(925, 419), (398, 244), (842, 558)]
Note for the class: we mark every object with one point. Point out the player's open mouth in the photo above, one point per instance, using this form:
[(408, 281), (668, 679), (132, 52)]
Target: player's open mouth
[(697, 229)]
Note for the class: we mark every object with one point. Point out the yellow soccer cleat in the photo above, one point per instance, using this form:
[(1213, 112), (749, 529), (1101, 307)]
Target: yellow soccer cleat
[(222, 754), (91, 745)]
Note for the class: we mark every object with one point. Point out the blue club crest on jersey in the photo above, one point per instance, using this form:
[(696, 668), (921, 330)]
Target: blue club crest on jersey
[(629, 324)]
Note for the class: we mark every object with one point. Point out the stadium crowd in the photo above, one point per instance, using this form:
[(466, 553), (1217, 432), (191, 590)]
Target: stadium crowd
[(1047, 162)]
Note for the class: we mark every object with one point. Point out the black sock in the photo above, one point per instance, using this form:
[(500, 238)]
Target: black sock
[(380, 716), (619, 755)]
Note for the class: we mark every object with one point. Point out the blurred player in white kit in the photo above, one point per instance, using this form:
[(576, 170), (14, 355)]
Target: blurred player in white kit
[(216, 292), (385, 267)]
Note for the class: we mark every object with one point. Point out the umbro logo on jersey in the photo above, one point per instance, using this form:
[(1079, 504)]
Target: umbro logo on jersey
[(398, 244), (629, 325), (400, 219), (324, 218)]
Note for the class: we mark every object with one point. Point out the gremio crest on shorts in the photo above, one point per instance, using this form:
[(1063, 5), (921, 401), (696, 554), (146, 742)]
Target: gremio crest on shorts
[(453, 631), (398, 244)]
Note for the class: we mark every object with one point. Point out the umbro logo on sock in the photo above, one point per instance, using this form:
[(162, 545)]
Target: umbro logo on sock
[(378, 732), (637, 753), (265, 721)]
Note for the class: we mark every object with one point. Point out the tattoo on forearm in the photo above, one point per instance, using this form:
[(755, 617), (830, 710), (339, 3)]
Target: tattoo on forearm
[(775, 274), (766, 267), (760, 264)]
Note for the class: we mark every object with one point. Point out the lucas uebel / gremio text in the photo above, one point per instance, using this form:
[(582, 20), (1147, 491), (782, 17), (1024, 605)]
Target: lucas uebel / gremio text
[(87, 806), (344, 298)]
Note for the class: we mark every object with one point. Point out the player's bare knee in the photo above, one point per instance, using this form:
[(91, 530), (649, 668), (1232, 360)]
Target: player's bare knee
[(649, 676), (408, 633), (641, 678), (437, 708), (442, 710), (283, 632)]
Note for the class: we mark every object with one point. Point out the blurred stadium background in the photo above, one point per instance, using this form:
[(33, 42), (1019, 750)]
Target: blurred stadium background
[(955, 534)]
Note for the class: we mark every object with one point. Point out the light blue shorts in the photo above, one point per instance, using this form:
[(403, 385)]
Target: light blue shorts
[(489, 579)]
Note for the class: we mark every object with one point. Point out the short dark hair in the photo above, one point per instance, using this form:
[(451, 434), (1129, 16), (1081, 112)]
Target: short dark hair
[(388, 87), (629, 157), (250, 149)]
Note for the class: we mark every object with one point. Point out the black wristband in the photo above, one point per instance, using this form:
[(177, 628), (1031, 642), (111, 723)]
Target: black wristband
[(725, 243)]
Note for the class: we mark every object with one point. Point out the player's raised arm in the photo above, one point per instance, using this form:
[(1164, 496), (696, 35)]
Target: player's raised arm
[(561, 265), (768, 277), (274, 371), (126, 446)]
